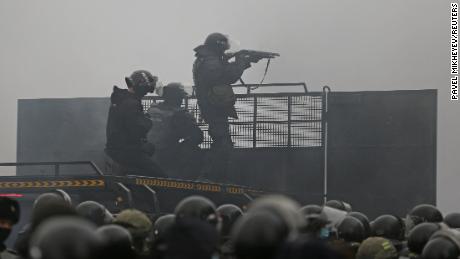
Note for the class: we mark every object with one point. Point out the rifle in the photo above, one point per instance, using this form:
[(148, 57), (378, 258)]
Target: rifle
[(252, 54)]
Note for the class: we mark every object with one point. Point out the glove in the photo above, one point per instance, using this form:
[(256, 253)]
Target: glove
[(243, 60)]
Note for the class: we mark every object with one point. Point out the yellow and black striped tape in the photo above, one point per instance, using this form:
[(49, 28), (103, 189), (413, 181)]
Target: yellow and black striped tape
[(189, 186), (53, 184)]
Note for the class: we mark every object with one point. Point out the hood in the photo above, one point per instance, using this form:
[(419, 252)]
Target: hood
[(118, 95)]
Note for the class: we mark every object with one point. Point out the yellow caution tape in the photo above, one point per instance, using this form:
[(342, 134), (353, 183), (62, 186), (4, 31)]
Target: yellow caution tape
[(53, 184)]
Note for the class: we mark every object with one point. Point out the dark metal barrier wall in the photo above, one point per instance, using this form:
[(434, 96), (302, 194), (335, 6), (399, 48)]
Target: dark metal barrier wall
[(382, 149)]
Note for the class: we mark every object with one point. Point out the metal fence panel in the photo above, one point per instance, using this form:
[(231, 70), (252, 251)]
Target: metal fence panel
[(268, 120)]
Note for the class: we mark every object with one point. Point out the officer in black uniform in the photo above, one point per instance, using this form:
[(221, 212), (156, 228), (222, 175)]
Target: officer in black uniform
[(128, 125), (175, 134), (213, 74), (9, 215)]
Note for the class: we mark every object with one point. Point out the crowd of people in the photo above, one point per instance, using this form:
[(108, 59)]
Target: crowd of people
[(270, 227)]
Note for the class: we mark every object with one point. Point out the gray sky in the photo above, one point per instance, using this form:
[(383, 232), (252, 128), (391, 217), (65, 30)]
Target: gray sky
[(63, 48)]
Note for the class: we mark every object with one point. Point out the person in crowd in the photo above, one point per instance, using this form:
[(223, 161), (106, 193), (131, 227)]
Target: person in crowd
[(117, 242), (65, 237), (228, 214), (46, 205), (9, 216), (376, 248), (140, 228), (94, 212), (443, 244), (390, 227), (418, 237), (197, 207), (272, 227), (161, 230)]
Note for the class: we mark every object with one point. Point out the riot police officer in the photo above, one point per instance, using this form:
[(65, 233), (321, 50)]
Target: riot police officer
[(443, 244), (94, 212), (65, 237), (213, 74), (127, 125), (9, 215), (175, 134)]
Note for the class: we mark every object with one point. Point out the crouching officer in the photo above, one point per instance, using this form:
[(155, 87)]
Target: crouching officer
[(9, 215), (175, 134), (127, 125)]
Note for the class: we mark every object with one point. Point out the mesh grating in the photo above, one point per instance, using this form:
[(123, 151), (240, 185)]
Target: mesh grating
[(268, 120)]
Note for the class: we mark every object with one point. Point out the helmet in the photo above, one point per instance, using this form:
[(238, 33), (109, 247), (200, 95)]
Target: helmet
[(444, 244), (452, 220), (388, 226), (351, 230), (419, 236), (258, 235), (142, 81), (228, 213), (283, 207), (423, 213), (9, 209), (197, 207), (49, 205), (139, 226), (340, 205), (364, 220), (136, 222), (174, 91), (189, 238), (65, 237), (162, 224), (64, 195), (117, 242), (217, 41), (48, 197), (94, 212), (376, 248)]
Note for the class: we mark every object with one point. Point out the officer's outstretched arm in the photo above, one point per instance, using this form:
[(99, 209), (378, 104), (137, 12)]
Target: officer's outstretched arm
[(234, 70), (187, 128)]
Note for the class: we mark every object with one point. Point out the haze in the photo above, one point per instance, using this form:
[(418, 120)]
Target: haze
[(63, 48)]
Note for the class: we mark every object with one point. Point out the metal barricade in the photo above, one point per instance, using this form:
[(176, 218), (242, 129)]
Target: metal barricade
[(268, 119)]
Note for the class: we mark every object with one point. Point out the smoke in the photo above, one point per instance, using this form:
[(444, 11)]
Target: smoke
[(55, 48)]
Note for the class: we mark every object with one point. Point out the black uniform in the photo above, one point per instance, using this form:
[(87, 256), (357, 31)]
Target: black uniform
[(176, 137), (127, 127), (212, 69)]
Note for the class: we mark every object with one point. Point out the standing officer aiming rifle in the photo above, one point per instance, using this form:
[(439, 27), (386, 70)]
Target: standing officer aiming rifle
[(213, 74)]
